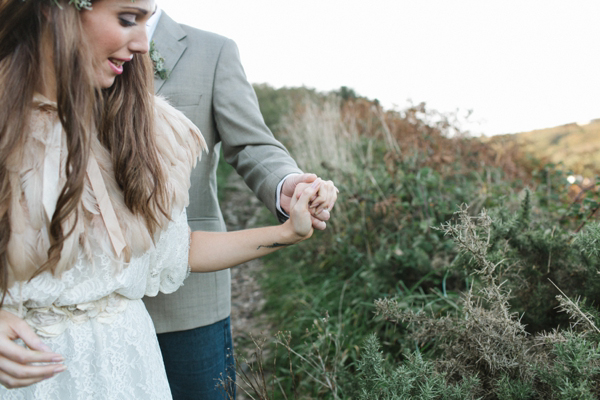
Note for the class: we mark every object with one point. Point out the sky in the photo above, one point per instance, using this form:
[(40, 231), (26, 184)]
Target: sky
[(517, 65)]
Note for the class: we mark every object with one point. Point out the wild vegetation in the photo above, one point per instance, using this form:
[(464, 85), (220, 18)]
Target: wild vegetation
[(452, 269), (576, 146)]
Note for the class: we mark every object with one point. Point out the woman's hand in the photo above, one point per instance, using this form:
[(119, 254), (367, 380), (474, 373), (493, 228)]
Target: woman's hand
[(16, 369), (300, 217)]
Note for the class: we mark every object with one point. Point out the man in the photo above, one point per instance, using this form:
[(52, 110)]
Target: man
[(207, 83)]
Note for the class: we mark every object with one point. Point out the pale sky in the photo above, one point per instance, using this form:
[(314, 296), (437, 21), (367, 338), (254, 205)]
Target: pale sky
[(519, 65)]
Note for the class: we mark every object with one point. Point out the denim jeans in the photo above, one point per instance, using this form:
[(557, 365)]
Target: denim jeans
[(197, 360)]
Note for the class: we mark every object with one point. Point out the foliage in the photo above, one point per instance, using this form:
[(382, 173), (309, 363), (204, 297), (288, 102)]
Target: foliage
[(484, 338), (276, 103), (400, 175), (415, 378), (158, 62)]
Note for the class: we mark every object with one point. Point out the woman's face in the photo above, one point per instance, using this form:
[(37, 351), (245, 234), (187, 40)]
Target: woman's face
[(116, 30)]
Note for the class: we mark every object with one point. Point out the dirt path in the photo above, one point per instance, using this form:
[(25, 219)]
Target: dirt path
[(241, 209)]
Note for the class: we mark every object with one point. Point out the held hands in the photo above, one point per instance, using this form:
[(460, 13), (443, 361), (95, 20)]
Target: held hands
[(301, 220), (16, 369), (320, 205)]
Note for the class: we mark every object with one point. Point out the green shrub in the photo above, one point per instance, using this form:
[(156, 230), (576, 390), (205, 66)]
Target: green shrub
[(414, 378), (400, 175)]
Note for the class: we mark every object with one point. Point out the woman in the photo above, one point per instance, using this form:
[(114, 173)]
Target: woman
[(94, 175)]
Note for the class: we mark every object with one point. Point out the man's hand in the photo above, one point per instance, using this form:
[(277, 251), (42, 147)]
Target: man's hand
[(321, 204), (15, 360)]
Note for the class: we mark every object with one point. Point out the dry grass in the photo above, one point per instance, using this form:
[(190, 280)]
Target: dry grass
[(576, 146)]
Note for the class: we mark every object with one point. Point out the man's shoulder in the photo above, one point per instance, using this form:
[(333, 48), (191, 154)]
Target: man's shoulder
[(197, 37), (204, 36)]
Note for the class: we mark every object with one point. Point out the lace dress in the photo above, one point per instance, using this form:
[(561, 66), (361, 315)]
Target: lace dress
[(92, 313)]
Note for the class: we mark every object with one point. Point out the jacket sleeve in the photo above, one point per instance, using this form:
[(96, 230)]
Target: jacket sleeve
[(248, 144)]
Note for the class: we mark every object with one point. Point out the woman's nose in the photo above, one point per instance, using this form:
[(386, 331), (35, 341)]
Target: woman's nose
[(139, 44)]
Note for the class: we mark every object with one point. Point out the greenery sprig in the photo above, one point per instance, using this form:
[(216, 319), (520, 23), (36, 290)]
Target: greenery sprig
[(159, 62), (80, 4)]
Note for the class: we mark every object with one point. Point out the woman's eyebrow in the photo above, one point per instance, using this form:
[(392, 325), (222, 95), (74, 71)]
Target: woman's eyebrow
[(139, 9)]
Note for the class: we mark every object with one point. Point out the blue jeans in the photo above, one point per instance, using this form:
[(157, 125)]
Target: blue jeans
[(197, 360)]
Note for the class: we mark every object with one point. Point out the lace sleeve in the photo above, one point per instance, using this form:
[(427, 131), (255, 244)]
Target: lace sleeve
[(169, 265)]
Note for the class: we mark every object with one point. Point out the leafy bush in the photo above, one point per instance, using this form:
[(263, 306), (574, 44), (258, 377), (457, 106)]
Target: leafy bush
[(414, 378), (400, 175), (485, 339)]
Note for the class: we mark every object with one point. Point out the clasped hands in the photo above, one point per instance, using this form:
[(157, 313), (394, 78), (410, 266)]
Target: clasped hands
[(320, 205)]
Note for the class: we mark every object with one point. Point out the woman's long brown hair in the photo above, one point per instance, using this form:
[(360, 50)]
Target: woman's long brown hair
[(122, 116)]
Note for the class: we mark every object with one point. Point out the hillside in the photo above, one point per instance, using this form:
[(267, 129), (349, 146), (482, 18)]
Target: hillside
[(576, 146)]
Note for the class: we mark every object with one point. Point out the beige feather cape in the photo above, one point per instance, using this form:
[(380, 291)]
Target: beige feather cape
[(37, 174)]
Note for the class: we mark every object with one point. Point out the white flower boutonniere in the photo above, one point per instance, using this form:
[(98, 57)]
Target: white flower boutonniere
[(159, 62)]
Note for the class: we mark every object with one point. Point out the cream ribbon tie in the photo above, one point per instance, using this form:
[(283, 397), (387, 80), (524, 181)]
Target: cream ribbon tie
[(51, 186), (105, 205)]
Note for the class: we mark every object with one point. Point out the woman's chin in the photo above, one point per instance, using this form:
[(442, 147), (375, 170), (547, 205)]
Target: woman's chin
[(104, 82)]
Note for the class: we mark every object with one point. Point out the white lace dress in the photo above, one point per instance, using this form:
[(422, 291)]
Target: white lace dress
[(92, 311), (98, 322)]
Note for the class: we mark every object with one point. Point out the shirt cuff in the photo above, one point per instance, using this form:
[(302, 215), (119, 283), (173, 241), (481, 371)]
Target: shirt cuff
[(278, 196)]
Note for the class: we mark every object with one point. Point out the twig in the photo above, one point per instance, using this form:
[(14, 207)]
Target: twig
[(576, 307), (588, 218)]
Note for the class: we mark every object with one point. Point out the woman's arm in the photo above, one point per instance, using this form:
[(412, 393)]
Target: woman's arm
[(213, 251)]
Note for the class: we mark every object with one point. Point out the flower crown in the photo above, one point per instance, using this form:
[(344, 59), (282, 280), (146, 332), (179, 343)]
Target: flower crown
[(79, 4)]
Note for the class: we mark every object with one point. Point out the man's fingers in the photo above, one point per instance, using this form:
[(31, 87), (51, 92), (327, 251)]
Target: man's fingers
[(303, 178), (291, 182)]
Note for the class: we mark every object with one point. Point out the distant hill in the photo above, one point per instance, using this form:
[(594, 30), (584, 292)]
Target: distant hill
[(576, 146)]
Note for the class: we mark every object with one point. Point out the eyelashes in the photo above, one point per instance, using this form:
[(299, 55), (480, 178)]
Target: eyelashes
[(128, 20), (126, 23)]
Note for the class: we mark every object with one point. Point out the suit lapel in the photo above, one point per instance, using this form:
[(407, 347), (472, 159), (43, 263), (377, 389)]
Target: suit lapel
[(168, 39)]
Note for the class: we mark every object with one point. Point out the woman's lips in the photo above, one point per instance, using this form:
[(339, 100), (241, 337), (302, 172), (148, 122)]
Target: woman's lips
[(116, 65)]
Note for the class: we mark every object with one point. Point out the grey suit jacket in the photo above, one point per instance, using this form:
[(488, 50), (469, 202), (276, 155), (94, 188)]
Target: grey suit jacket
[(208, 84)]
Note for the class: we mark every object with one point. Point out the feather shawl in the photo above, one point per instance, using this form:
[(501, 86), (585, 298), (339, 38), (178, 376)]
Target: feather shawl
[(35, 190)]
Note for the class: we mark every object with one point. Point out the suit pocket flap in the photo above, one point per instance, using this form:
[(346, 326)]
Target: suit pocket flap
[(183, 99)]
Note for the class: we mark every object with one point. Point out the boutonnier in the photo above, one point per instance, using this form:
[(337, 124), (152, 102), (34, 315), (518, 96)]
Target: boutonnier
[(159, 62)]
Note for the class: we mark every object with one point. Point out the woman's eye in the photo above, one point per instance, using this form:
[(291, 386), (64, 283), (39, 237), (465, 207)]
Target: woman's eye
[(127, 19)]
